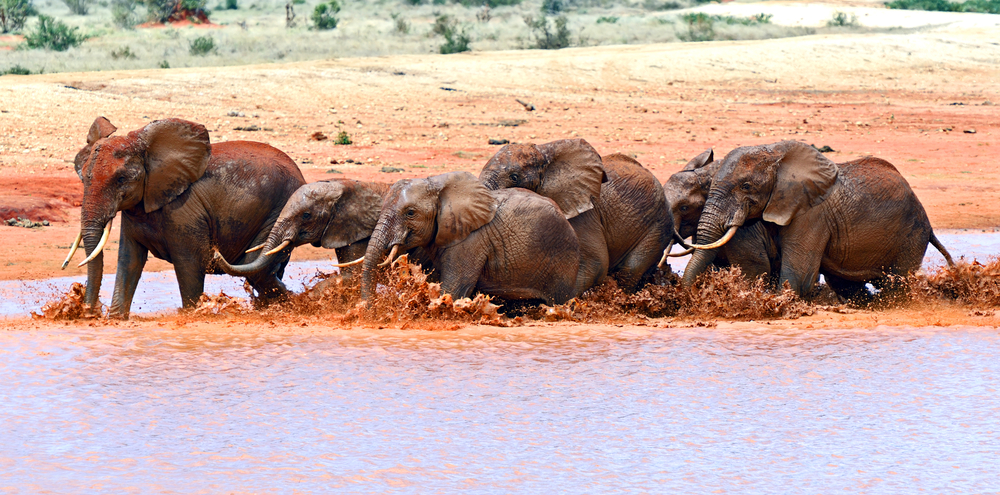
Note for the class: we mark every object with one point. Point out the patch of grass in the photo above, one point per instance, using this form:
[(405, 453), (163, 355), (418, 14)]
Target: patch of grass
[(52, 34), (456, 39), (324, 16), (607, 20), (842, 19), (14, 13), (701, 26), (123, 14), (164, 64), (978, 6), (201, 46), (124, 52), (343, 138), (400, 25), (549, 36), (16, 70)]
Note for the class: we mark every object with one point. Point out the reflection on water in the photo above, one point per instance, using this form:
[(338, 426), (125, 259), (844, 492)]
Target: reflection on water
[(157, 291), (672, 411)]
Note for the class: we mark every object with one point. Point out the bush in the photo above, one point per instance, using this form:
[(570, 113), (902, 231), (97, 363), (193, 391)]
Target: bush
[(324, 15), (166, 10), (201, 45), (52, 34), (552, 6), (547, 36), (700, 27), (343, 138), (455, 41), (14, 13), (124, 52), (123, 14), (979, 6), (164, 64), (16, 70), (78, 7), (480, 3), (400, 25), (232, 5), (607, 20), (842, 19), (442, 24)]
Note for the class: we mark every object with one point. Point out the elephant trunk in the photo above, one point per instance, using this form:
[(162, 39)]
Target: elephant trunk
[(381, 241), (710, 229), (258, 265), (92, 232)]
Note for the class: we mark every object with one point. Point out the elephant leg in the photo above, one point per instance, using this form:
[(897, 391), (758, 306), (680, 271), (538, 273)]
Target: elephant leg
[(191, 280), (639, 262), (593, 251), (460, 271), (268, 283), (131, 260), (749, 249), (856, 293)]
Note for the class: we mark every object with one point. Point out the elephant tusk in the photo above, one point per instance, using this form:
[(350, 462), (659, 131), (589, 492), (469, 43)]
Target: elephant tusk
[(255, 248), (350, 263), (392, 254), (681, 253), (100, 245), (73, 248), (281, 246), (729, 235)]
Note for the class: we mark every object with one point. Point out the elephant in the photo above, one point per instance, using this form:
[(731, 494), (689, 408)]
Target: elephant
[(180, 197), (512, 243), (616, 207), (855, 223), (753, 247), (336, 214)]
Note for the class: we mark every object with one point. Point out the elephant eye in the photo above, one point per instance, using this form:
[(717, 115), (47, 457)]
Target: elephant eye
[(515, 178), (745, 186), (684, 208), (306, 215), (122, 179), (410, 212)]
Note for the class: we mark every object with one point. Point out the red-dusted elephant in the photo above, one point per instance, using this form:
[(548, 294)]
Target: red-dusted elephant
[(180, 197)]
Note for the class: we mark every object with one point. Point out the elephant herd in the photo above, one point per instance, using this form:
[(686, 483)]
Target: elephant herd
[(541, 222)]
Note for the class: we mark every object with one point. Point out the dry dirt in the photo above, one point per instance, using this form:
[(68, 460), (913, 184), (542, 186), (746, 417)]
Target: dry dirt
[(920, 100)]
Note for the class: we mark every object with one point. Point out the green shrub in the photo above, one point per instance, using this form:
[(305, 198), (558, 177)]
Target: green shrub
[(161, 10), (78, 7), (442, 24), (607, 20), (16, 70), (14, 13), (553, 6), (455, 41), (232, 5), (979, 6), (164, 64), (52, 34), (400, 25), (324, 15), (548, 36), (700, 27), (842, 19), (484, 3), (123, 13), (201, 45), (343, 138), (124, 52)]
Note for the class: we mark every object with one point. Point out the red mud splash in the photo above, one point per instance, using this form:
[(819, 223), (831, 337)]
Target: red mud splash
[(67, 307), (970, 284)]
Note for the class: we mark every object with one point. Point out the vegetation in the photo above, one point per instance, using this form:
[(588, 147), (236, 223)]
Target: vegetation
[(52, 34), (324, 15), (78, 7), (343, 138), (14, 13), (202, 45), (549, 36), (400, 25), (175, 10), (124, 52), (456, 38), (607, 20), (980, 6), (841, 19), (16, 70), (123, 14), (701, 26)]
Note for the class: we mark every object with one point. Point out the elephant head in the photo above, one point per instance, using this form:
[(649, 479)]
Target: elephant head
[(147, 168), (331, 214), (432, 213), (568, 171), (775, 182), (687, 191)]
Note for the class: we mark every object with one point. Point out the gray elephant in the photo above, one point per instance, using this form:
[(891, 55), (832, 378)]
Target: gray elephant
[(337, 214), (754, 246), (180, 196), (512, 244), (855, 223), (616, 207)]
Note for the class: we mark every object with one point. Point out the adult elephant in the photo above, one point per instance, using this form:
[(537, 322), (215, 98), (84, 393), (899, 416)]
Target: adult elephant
[(337, 214), (180, 196), (754, 246), (856, 223), (614, 204), (513, 243)]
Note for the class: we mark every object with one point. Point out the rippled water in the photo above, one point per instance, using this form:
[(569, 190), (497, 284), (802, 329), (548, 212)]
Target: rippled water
[(667, 411)]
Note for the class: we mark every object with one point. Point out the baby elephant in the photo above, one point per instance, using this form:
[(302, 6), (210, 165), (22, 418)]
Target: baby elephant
[(335, 214), (510, 243)]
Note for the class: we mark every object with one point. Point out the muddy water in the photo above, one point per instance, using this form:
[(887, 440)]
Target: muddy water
[(682, 411)]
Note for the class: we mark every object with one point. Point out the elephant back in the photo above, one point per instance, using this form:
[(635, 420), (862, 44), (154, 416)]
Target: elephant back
[(632, 207)]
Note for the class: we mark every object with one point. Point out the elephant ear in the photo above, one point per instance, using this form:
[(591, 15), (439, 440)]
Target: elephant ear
[(177, 153), (464, 205), (355, 214), (804, 177), (573, 176), (706, 157), (100, 129)]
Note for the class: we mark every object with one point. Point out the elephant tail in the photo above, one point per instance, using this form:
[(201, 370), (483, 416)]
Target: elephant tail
[(940, 247)]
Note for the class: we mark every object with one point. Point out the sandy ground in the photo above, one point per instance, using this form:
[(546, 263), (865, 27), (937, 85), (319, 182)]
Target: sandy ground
[(921, 100)]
